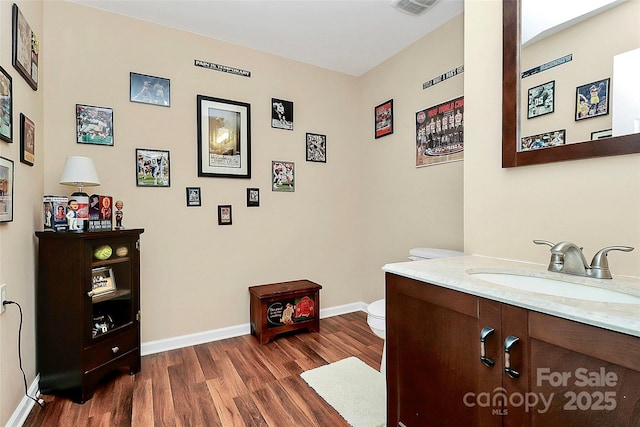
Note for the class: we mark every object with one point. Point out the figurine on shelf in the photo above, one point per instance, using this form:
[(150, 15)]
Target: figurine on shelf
[(119, 214), (72, 215)]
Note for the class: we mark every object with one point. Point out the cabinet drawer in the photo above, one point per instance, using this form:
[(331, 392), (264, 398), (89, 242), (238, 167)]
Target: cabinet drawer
[(110, 348)]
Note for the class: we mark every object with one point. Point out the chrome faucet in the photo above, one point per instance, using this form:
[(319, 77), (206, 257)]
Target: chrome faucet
[(567, 257)]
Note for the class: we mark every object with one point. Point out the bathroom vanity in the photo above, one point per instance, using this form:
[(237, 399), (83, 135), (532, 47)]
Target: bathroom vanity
[(465, 351)]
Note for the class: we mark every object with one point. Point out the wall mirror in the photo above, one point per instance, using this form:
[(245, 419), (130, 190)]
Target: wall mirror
[(570, 126)]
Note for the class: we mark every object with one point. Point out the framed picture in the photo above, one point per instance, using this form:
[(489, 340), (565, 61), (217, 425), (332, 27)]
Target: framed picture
[(193, 196), (283, 176), (149, 90), (102, 281), (6, 106), (541, 100), (6, 190), (592, 99), (152, 168), (224, 138), (25, 48), (316, 148), (281, 114), (94, 125), (27, 140), (440, 133), (224, 214), (383, 115), (601, 134), (543, 140), (253, 197)]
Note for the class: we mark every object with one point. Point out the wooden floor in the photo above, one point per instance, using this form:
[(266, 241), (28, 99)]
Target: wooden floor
[(234, 382)]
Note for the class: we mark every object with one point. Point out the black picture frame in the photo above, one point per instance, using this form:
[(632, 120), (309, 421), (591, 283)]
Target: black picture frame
[(146, 89), (592, 99), (283, 176), (253, 197), (26, 48), (281, 114), (316, 147), (6, 189), (193, 196), (225, 215), (541, 99), (6, 106), (601, 134), (227, 155), (383, 119), (94, 125), (27, 140), (152, 168)]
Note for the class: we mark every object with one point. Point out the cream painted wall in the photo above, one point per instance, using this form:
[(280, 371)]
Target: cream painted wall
[(17, 239), (407, 207), (592, 202)]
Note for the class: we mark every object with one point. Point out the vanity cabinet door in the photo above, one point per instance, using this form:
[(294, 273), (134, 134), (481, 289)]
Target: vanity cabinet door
[(590, 376), (434, 373)]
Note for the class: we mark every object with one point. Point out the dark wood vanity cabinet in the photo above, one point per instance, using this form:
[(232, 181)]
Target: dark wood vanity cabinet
[(561, 372), (87, 309)]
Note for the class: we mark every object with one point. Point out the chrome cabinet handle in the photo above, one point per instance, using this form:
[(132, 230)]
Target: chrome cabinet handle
[(115, 349), (484, 334), (508, 344)]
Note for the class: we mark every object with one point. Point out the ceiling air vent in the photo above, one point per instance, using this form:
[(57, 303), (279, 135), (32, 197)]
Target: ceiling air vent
[(413, 7)]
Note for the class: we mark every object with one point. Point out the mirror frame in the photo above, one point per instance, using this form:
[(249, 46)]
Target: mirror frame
[(511, 157)]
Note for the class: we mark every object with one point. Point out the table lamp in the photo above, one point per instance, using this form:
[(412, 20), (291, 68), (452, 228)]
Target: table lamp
[(81, 172)]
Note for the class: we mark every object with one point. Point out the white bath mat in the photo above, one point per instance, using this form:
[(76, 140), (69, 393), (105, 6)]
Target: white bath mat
[(354, 389)]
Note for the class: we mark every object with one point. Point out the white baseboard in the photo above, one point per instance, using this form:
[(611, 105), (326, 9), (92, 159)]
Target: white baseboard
[(21, 413)]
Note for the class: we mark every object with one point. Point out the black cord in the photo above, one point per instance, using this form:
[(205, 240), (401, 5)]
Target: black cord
[(40, 402)]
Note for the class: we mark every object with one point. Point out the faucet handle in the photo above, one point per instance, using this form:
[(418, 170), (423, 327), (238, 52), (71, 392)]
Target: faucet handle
[(557, 260), (543, 242), (599, 263)]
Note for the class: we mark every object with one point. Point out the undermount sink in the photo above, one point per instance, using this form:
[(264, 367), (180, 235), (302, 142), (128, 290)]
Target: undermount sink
[(548, 286)]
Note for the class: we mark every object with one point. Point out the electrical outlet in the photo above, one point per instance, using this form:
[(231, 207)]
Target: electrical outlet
[(3, 296)]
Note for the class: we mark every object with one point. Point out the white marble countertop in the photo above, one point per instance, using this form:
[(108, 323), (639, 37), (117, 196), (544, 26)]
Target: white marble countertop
[(453, 273)]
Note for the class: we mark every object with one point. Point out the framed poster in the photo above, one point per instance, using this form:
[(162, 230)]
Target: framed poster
[(149, 90), (383, 115), (281, 114), (592, 99), (224, 215), (600, 134), (541, 100), (6, 106), (253, 197), (193, 196), (224, 138), (316, 148), (25, 49), (440, 133), (6, 190), (543, 140), (152, 168), (94, 125), (27, 140), (283, 176)]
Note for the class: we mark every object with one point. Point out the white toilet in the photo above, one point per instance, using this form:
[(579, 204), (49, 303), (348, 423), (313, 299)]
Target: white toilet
[(376, 311)]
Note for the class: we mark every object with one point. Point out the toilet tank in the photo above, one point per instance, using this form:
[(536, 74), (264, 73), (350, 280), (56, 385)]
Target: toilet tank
[(416, 254)]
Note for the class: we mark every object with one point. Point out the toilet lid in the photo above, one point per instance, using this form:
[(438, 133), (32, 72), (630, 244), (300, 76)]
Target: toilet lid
[(377, 309), (434, 253)]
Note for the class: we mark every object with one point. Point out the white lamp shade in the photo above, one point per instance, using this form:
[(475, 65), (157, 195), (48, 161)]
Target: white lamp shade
[(79, 171)]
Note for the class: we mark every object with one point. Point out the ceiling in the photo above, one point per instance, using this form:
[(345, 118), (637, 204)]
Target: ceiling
[(349, 36)]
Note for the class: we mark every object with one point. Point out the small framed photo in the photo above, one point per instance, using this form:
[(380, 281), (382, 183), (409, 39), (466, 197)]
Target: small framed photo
[(383, 114), (224, 138), (193, 196), (224, 214), (541, 100), (102, 281), (27, 140), (149, 90), (283, 176), (152, 168), (253, 197), (6, 190), (592, 99), (6, 106), (281, 114), (26, 47), (601, 134), (316, 148), (543, 140), (94, 125)]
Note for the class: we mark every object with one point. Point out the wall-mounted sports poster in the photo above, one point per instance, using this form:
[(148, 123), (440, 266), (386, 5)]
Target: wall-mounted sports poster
[(440, 133)]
